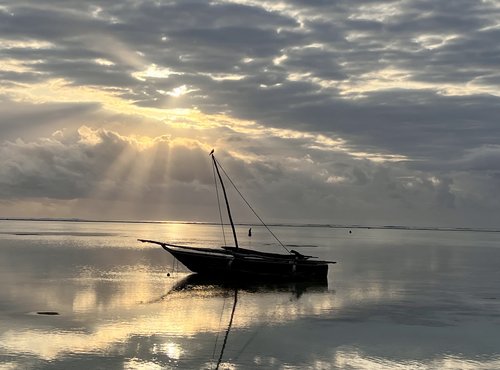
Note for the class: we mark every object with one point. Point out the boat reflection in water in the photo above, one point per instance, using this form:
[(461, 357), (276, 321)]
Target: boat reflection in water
[(197, 282), (202, 283)]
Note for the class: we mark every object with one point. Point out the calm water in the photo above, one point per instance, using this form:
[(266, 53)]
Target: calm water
[(396, 300)]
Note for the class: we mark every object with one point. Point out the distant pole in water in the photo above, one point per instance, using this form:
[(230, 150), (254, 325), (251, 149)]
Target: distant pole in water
[(250, 232)]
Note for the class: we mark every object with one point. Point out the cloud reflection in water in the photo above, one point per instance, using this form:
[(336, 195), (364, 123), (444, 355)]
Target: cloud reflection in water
[(397, 300)]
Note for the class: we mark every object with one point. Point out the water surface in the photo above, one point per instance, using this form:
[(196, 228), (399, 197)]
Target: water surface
[(397, 299)]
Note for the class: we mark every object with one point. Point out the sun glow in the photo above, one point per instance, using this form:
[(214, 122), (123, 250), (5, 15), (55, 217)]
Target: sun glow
[(153, 71), (178, 91), (127, 175), (61, 91)]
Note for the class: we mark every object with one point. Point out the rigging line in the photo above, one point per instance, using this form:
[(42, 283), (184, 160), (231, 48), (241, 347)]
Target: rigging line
[(218, 329), (218, 204), (249, 206)]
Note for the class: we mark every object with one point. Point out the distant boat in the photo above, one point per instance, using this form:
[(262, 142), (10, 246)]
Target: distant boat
[(234, 262)]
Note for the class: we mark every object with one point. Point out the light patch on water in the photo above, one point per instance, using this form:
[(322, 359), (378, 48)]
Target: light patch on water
[(136, 364)]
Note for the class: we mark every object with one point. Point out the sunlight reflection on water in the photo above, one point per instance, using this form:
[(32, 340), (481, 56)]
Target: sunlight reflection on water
[(396, 300)]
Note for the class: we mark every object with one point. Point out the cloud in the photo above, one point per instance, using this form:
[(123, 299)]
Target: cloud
[(130, 177), (409, 80), (73, 164), (30, 121), (486, 157)]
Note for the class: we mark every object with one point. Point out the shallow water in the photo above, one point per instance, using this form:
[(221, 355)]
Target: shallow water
[(397, 299)]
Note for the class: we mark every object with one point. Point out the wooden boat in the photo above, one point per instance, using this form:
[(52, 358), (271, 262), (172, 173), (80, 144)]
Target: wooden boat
[(234, 262)]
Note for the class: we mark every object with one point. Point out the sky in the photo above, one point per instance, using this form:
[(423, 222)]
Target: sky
[(340, 112)]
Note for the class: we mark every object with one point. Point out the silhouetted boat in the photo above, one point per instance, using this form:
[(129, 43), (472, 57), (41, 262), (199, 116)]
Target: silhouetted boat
[(246, 264)]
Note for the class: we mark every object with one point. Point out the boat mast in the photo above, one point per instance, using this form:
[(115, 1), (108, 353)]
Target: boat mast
[(228, 328), (225, 198)]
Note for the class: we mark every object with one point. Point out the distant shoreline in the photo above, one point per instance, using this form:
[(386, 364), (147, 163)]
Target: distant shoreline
[(331, 226)]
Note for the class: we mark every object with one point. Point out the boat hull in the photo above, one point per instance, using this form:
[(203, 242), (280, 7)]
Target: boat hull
[(227, 265)]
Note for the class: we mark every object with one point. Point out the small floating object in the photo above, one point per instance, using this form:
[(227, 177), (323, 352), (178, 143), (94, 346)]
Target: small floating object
[(50, 313)]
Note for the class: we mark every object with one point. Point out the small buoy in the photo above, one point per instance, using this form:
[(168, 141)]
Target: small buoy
[(168, 273), (350, 232)]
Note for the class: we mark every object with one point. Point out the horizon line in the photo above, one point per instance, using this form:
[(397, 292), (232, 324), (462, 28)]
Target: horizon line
[(285, 224)]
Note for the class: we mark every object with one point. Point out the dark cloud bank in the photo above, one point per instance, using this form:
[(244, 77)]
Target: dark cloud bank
[(417, 79)]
